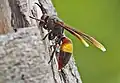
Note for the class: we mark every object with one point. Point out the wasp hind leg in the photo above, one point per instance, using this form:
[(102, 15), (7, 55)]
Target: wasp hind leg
[(56, 50), (51, 57)]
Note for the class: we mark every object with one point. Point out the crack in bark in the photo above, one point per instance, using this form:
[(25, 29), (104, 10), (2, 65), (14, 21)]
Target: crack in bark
[(53, 74), (77, 80), (18, 19)]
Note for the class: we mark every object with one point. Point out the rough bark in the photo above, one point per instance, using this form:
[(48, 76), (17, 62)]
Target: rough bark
[(24, 55)]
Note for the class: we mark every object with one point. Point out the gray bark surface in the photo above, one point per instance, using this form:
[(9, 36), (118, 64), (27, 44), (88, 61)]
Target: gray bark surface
[(24, 55)]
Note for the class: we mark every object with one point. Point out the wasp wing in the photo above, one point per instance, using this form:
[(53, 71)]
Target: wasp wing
[(78, 36), (75, 34), (85, 36), (91, 39)]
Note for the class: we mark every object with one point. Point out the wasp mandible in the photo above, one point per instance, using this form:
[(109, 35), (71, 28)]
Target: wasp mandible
[(55, 27)]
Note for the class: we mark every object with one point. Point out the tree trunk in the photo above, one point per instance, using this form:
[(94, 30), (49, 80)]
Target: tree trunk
[(24, 55)]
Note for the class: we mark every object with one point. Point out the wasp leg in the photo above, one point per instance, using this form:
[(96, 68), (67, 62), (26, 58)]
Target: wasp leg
[(46, 35), (42, 30), (51, 57), (55, 47), (40, 25), (33, 13), (63, 75)]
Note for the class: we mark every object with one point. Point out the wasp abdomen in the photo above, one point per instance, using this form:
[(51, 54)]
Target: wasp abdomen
[(66, 50)]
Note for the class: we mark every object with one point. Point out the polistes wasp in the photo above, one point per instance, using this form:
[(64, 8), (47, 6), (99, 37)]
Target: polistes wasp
[(55, 28)]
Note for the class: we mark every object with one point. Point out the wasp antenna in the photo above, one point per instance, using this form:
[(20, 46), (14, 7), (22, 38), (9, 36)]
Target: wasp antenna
[(37, 19), (42, 8)]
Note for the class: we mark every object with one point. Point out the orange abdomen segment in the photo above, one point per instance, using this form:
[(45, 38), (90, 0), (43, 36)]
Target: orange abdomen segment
[(63, 59)]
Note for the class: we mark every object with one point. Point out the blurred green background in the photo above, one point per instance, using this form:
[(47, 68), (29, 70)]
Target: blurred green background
[(101, 19)]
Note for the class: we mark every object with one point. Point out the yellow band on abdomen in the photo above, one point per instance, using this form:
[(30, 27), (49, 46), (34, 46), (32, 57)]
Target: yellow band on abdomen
[(67, 47)]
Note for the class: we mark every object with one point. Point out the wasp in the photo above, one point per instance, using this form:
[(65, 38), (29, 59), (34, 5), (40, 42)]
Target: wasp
[(63, 45)]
